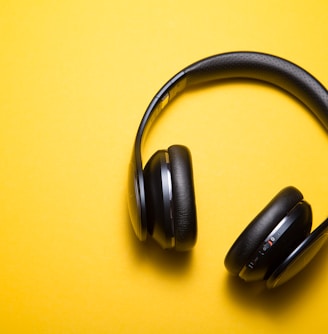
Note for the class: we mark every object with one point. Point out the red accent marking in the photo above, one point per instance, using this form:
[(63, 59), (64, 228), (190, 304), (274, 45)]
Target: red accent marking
[(270, 243)]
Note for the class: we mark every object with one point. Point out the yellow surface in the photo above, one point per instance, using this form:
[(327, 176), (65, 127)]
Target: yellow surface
[(76, 77)]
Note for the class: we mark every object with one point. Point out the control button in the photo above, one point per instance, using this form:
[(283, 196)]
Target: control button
[(266, 246)]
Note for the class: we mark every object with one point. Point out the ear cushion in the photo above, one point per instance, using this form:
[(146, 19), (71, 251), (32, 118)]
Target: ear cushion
[(260, 227), (184, 207)]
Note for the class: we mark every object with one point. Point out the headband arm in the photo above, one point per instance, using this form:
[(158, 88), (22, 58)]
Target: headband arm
[(165, 95)]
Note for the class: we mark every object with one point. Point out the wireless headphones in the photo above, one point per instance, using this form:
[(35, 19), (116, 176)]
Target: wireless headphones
[(277, 244)]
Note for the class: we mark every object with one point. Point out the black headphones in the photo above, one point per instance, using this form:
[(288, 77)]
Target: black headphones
[(277, 244)]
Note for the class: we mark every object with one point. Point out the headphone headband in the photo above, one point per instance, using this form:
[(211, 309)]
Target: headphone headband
[(235, 65)]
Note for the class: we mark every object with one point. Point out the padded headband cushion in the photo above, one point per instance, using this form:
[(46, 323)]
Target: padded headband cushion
[(184, 208), (260, 227)]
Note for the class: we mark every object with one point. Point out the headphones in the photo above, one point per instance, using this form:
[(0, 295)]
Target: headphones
[(277, 244)]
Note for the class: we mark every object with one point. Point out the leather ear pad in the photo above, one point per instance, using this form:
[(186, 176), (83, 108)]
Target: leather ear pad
[(184, 208), (260, 227)]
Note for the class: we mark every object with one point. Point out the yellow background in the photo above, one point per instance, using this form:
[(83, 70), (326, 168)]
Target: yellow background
[(76, 77)]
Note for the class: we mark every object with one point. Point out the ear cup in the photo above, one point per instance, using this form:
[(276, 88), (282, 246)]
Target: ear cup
[(277, 246), (256, 232), (170, 198), (184, 208), (300, 257), (158, 193)]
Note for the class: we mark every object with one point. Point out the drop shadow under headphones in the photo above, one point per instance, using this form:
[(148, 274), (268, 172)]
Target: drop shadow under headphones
[(277, 244)]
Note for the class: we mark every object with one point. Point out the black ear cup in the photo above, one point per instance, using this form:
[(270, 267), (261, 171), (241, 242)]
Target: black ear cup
[(299, 257), (274, 232), (170, 199), (158, 189)]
